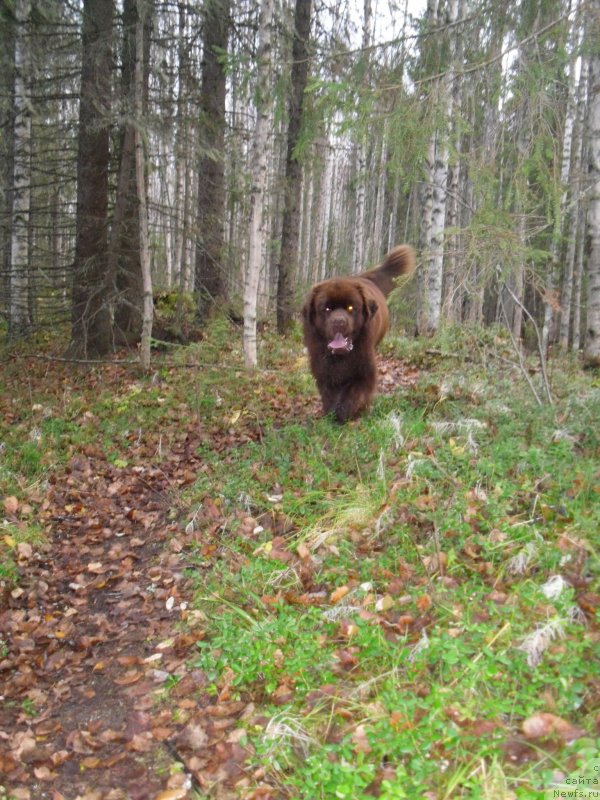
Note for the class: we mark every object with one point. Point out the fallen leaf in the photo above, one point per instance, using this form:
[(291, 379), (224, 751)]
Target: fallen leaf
[(424, 603), (44, 774), (338, 594), (128, 678), (303, 551), (361, 740), (25, 551), (172, 794), (11, 504), (544, 725), (195, 736), (384, 603)]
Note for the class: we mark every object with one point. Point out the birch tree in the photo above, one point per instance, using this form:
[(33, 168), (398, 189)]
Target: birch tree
[(435, 189), (360, 234), (178, 271), (258, 198), (592, 337), (575, 212), (567, 194), (19, 314)]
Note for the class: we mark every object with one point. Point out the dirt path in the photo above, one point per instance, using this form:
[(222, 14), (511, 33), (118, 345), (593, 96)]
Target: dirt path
[(90, 641)]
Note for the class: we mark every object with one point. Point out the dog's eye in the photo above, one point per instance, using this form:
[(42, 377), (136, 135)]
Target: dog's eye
[(350, 308), (328, 309)]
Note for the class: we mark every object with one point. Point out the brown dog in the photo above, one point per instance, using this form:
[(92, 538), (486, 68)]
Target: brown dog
[(344, 321)]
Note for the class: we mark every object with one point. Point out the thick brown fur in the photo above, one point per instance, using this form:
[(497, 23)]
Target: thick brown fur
[(344, 321)]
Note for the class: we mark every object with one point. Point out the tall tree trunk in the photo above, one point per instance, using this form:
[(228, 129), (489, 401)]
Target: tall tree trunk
[(591, 353), (567, 193), (288, 262), (434, 216), (147, 304), (574, 213), (91, 319), (450, 305), (361, 158), (19, 321), (181, 166), (125, 241), (258, 199), (516, 300), (209, 268), (435, 263), (577, 283), (425, 230), (378, 244)]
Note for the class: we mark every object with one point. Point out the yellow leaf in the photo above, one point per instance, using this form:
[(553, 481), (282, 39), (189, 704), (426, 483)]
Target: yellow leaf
[(384, 603), (301, 362), (234, 417), (172, 794), (9, 541), (265, 547), (338, 594)]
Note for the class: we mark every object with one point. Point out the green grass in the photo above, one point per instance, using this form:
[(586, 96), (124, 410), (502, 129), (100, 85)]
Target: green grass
[(443, 514)]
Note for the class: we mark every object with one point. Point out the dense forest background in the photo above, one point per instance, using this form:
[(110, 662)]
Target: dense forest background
[(227, 153)]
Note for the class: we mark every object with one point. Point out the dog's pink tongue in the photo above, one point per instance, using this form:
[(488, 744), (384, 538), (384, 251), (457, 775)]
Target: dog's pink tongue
[(338, 343)]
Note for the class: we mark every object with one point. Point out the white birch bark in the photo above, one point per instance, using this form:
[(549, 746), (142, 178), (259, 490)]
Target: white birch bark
[(20, 320), (361, 192), (377, 246), (591, 353), (361, 163), (574, 212), (438, 222), (309, 182), (258, 201), (551, 299), (180, 156), (438, 170)]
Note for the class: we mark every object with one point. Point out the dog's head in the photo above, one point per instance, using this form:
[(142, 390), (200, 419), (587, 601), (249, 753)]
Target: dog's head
[(338, 311)]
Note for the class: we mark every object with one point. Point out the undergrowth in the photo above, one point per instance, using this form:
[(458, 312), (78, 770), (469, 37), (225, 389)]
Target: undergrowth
[(397, 598), (430, 587)]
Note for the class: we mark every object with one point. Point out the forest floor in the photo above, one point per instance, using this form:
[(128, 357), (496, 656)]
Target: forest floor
[(208, 591)]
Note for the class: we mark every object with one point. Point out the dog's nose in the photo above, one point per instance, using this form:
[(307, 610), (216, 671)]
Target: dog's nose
[(339, 322)]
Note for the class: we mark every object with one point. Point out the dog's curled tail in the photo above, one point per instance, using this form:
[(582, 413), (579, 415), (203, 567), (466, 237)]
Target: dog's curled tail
[(399, 261)]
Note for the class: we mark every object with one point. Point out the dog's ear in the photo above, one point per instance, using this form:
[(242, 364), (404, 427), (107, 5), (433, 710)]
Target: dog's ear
[(309, 311), (369, 305)]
